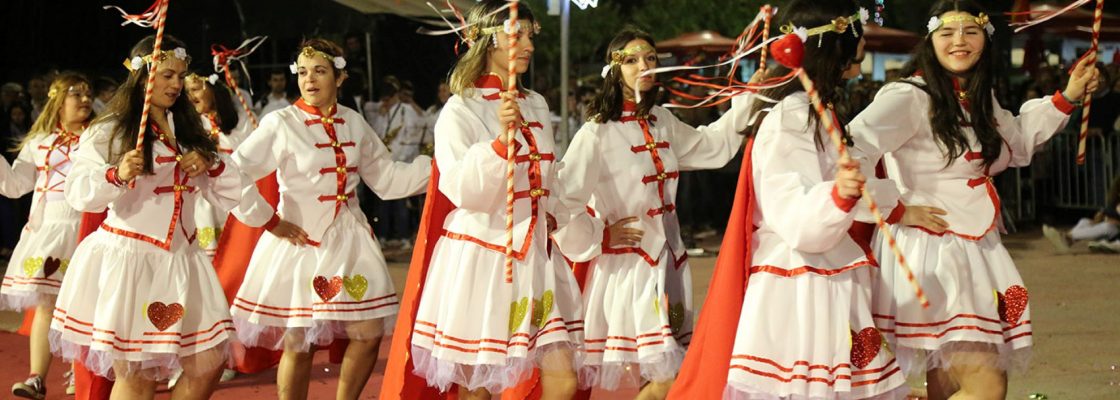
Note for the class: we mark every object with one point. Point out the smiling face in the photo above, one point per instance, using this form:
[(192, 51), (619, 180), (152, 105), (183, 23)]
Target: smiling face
[(959, 43), (499, 56), (201, 96), (170, 75), (318, 84), (77, 106), (640, 57)]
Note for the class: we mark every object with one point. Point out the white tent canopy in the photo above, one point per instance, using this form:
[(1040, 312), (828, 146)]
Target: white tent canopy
[(408, 8)]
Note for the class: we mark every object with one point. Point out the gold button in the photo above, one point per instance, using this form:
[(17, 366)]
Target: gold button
[(52, 147), (327, 120), (334, 144), (341, 197), (651, 145), (536, 192), (534, 156), (178, 158), (662, 176)]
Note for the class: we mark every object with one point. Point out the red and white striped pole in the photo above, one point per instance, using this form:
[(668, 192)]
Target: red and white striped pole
[(244, 104), (1083, 135), (767, 11), (827, 118), (161, 18), (511, 89)]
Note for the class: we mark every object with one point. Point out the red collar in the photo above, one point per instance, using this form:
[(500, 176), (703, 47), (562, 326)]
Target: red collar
[(310, 109), (628, 105), (489, 81)]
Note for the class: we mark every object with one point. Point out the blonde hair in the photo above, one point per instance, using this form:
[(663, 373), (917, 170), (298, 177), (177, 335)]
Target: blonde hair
[(49, 119), (473, 63)]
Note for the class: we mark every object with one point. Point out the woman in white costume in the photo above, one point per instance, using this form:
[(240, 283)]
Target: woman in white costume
[(478, 325), (625, 161), (40, 260), (228, 126), (318, 274), (142, 299), (942, 136)]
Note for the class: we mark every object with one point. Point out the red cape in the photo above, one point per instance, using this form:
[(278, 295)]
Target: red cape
[(704, 373), (400, 382)]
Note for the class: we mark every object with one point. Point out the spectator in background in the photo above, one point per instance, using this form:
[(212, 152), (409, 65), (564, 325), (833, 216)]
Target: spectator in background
[(401, 129), (103, 89), (1106, 105), (443, 92), (37, 91), (277, 96), (9, 94), (1102, 230), (19, 121)]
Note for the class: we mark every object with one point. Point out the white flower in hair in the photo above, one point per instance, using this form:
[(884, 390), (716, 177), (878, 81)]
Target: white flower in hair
[(801, 33), (606, 70), (213, 78), (136, 63), (294, 68), (339, 62), (933, 24), (863, 16), (180, 53), (511, 28), (991, 29)]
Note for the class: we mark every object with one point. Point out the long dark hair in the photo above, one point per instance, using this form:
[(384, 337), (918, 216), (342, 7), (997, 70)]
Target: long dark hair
[(128, 103), (223, 104), (607, 105), (826, 56), (945, 113)]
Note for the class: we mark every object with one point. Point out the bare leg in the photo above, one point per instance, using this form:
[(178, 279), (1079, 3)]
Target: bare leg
[(477, 394), (655, 391), (294, 373), (939, 386), (201, 373), (131, 386), (980, 380), (360, 358), (40, 344), (558, 379)]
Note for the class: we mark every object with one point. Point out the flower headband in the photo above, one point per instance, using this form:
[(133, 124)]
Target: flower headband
[(936, 22), (213, 78), (618, 55), (71, 89), (309, 52), (838, 25), (135, 63), (474, 32)]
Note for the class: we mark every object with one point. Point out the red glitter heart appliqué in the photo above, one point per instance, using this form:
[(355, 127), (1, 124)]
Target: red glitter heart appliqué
[(327, 289), (865, 346), (50, 266), (1012, 304), (164, 315)]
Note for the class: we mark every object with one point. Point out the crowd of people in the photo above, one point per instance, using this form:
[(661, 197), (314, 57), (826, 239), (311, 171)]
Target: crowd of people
[(183, 234)]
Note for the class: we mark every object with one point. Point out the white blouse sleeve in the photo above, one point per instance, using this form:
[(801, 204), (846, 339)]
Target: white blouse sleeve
[(580, 238), (260, 153), (88, 188), (711, 146), (390, 179), (221, 186), (890, 121), (1038, 121), (472, 172), (795, 200), (19, 178)]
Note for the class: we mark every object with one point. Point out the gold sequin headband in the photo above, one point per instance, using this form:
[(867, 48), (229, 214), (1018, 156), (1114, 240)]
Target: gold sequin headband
[(838, 25), (311, 52), (474, 32), (936, 22), (618, 55), (212, 79), (135, 63), (54, 92)]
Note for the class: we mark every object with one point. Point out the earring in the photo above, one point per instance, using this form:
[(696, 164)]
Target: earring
[(494, 41)]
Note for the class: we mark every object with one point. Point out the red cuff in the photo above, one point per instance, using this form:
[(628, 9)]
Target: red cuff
[(501, 148), (217, 170), (111, 177), (896, 214), (1062, 103), (272, 222), (844, 204)]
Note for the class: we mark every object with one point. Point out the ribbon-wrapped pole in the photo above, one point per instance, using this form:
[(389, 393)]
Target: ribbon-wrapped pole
[(1098, 14), (160, 22), (511, 131), (767, 12), (222, 59)]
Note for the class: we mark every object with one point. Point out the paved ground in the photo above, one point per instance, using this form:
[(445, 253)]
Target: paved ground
[(1075, 302)]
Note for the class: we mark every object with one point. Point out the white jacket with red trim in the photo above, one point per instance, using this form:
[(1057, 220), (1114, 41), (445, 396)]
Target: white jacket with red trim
[(472, 166), (319, 162), (896, 128), (161, 206)]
